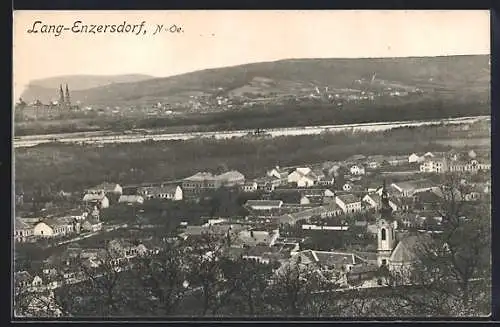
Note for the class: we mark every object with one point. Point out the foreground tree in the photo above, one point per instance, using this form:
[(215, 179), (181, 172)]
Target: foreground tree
[(452, 272), (161, 280)]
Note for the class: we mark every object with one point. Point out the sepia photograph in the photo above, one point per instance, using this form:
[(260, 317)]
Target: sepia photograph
[(251, 164)]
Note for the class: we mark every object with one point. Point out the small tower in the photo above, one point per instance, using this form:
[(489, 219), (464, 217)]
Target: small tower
[(385, 230), (61, 96), (68, 99)]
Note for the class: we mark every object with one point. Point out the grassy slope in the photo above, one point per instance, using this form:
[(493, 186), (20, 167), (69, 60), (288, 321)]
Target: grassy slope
[(455, 75)]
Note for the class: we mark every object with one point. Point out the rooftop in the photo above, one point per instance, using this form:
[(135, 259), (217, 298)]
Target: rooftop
[(153, 190), (201, 176), (267, 203), (348, 198), (416, 184)]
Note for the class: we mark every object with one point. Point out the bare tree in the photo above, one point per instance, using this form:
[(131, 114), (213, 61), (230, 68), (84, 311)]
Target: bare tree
[(204, 259), (249, 279), (296, 289), (102, 279), (162, 280), (453, 268)]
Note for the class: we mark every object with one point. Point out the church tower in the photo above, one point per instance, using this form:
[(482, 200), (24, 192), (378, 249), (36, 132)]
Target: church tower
[(68, 99), (385, 230), (61, 96)]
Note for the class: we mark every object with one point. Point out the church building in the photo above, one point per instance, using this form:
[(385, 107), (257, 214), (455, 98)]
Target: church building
[(392, 254)]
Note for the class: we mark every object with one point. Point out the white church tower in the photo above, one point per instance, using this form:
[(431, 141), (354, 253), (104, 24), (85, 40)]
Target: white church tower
[(385, 231)]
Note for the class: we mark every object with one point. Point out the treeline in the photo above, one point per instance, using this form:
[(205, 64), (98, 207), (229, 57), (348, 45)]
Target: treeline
[(285, 115), (67, 167)]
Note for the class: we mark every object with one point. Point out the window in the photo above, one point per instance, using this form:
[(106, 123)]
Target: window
[(383, 234), (384, 262)]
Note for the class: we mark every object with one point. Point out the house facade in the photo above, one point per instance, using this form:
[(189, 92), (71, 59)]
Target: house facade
[(357, 170), (54, 228), (22, 230), (302, 179), (434, 165), (167, 192), (249, 187), (348, 203), (106, 188), (98, 199)]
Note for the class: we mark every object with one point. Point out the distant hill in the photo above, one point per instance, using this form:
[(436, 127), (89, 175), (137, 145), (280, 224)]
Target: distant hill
[(452, 76), (47, 88)]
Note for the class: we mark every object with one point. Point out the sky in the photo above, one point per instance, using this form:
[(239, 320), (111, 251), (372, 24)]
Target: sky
[(211, 39)]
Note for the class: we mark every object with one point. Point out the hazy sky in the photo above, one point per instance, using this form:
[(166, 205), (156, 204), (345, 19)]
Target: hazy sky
[(224, 38)]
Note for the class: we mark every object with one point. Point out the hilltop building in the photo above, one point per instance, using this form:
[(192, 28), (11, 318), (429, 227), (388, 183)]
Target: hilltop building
[(37, 109)]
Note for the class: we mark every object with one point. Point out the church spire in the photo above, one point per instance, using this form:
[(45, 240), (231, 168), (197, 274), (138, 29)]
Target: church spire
[(385, 208), (68, 100), (61, 95)]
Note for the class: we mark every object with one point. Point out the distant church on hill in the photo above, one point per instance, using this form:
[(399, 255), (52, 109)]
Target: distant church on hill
[(64, 98), (37, 109)]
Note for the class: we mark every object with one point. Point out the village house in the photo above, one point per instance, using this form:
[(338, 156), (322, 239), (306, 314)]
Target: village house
[(280, 174), (408, 188), (167, 192), (302, 177), (231, 178), (374, 201), (255, 237), (325, 211), (98, 199), (92, 225), (349, 203), (106, 188), (435, 164), (331, 266), (131, 199), (471, 166), (249, 187), (204, 181), (419, 158), (56, 227), (375, 161), (264, 254), (22, 279), (200, 182), (264, 205), (22, 230), (267, 184), (357, 170), (327, 180)]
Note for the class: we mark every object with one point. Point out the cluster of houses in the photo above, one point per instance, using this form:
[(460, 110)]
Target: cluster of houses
[(257, 236)]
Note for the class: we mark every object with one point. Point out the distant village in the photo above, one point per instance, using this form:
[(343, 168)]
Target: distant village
[(259, 91), (286, 209)]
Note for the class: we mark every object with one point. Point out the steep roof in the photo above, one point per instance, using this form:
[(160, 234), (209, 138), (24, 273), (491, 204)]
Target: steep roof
[(20, 224), (416, 184), (231, 175), (348, 198), (199, 177), (409, 248), (335, 258)]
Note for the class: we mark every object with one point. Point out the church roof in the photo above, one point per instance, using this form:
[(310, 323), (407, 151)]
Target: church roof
[(409, 248)]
